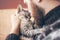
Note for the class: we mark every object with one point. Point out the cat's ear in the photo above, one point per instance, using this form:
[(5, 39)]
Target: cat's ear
[(19, 8)]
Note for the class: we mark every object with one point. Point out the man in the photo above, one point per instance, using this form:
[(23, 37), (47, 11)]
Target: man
[(51, 10)]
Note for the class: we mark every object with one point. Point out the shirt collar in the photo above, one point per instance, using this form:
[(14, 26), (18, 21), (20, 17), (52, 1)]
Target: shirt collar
[(53, 12)]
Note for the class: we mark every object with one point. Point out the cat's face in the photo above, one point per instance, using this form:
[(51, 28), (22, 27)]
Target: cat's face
[(24, 15)]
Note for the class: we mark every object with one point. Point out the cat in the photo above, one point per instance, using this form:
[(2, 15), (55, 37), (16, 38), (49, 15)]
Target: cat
[(28, 28)]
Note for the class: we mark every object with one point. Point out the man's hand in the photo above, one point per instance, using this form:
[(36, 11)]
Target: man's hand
[(15, 24)]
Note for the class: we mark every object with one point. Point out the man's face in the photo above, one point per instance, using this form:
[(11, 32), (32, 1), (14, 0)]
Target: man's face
[(33, 6)]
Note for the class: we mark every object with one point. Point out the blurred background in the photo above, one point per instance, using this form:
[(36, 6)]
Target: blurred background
[(7, 8)]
